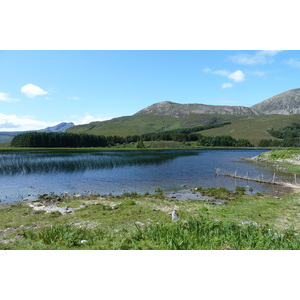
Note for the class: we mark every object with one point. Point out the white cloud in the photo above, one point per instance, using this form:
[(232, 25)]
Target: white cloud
[(4, 97), (259, 57), (237, 76), (31, 90), (87, 118), (227, 85), (15, 123), (292, 62)]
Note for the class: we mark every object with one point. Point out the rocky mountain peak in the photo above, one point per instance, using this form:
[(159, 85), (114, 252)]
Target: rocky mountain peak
[(286, 103)]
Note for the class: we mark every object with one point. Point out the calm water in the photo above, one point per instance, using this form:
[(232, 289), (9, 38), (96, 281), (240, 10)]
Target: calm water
[(27, 174)]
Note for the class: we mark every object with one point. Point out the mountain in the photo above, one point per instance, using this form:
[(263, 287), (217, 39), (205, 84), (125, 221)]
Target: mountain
[(287, 103), (61, 127), (246, 122), (7, 136), (172, 109)]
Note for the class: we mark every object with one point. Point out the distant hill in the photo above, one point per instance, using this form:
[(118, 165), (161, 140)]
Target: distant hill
[(7, 136), (61, 127), (287, 103)]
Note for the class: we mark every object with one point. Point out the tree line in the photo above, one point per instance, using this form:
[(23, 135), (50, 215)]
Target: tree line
[(288, 136), (73, 140)]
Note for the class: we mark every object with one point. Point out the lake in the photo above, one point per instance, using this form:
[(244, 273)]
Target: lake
[(25, 174)]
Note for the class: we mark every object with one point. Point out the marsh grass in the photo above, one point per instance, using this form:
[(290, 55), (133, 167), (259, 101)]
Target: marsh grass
[(221, 193), (204, 233), (196, 233)]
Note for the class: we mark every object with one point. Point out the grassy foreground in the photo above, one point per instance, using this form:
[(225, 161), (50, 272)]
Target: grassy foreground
[(134, 221)]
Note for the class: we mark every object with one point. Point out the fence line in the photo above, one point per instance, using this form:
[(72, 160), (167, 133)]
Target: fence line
[(260, 180)]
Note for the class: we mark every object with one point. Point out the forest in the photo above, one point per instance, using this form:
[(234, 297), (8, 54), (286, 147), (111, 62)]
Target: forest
[(72, 140)]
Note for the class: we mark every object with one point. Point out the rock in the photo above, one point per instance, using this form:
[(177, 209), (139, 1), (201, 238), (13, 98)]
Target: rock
[(175, 216), (139, 223), (252, 223)]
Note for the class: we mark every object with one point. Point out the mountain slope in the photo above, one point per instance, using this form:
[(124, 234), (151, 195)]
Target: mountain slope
[(61, 127), (139, 124), (168, 108), (166, 116), (247, 122), (287, 103), (256, 129)]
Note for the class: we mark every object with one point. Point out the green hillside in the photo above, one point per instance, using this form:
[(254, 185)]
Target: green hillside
[(140, 124), (5, 138), (254, 129)]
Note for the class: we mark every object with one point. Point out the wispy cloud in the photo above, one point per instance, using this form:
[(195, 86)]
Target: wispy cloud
[(259, 73), (217, 72), (227, 85), (31, 90), (226, 102), (5, 97), (292, 62), (258, 58), (74, 98), (15, 123)]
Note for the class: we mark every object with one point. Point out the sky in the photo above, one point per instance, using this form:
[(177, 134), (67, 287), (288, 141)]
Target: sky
[(40, 88)]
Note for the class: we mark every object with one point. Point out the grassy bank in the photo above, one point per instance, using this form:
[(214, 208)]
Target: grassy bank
[(134, 221), (284, 159)]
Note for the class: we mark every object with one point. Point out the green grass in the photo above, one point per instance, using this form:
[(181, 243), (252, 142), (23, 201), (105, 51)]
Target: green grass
[(140, 124), (206, 234), (254, 129), (109, 223), (283, 158)]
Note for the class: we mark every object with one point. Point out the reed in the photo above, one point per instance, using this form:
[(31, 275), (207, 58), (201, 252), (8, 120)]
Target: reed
[(52, 162)]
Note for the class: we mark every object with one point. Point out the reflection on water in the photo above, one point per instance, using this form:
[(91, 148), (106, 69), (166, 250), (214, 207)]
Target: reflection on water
[(43, 162), (37, 172)]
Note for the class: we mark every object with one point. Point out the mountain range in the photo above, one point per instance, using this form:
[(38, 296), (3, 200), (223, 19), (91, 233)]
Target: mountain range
[(7, 136), (246, 122)]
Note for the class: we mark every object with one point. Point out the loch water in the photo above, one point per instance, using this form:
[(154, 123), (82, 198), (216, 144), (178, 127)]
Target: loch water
[(26, 174)]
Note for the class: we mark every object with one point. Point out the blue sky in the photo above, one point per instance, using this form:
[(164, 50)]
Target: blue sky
[(43, 88)]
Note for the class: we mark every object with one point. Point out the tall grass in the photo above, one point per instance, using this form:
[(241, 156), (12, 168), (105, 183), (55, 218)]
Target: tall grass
[(198, 233), (63, 236), (203, 233)]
